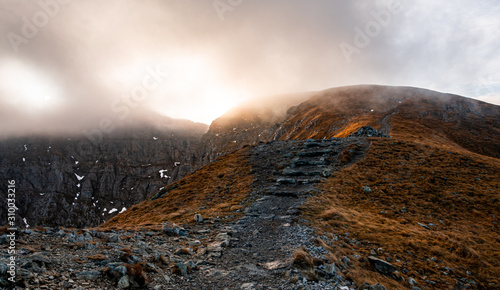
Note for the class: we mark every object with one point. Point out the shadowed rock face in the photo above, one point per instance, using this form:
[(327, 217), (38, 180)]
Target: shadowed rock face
[(75, 183)]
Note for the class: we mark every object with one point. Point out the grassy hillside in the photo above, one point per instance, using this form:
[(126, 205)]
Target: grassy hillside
[(427, 209)]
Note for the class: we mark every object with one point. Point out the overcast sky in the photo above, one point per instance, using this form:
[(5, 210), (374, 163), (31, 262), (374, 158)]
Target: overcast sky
[(72, 62)]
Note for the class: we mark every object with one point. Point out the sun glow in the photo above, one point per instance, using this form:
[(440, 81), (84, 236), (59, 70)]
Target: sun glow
[(197, 84), (25, 87)]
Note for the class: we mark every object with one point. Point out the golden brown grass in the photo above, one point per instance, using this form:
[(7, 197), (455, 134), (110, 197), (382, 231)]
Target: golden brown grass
[(217, 189), (302, 259), (410, 183), (97, 257)]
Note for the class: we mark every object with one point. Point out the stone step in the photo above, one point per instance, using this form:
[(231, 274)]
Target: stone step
[(290, 190), (309, 180), (284, 180), (298, 181), (315, 171), (299, 162), (316, 143), (314, 153)]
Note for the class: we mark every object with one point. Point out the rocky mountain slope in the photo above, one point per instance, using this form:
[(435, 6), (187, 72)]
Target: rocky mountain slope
[(405, 113), (74, 182), (358, 212)]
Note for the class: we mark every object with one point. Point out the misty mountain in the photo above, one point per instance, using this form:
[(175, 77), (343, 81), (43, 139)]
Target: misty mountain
[(405, 113), (83, 180)]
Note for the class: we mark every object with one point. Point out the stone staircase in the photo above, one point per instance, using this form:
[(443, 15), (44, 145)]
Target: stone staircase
[(309, 163), (264, 239)]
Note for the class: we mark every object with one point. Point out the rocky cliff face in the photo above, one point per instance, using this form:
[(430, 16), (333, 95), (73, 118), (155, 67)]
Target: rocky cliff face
[(76, 183)]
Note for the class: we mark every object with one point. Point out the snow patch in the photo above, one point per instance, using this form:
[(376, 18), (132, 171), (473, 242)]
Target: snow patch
[(154, 138), (163, 173), (24, 159), (79, 177), (104, 209), (76, 162), (123, 209), (26, 223), (78, 185), (177, 163), (112, 210), (25, 148), (43, 193)]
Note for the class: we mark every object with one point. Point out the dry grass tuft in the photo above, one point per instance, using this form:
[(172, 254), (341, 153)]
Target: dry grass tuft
[(302, 259), (97, 257)]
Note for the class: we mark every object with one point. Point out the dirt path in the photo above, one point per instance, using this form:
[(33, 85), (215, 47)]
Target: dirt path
[(385, 126), (264, 240)]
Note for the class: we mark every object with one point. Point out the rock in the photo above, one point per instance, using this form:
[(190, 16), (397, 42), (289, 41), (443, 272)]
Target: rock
[(194, 243), (142, 245), (377, 287), (283, 180), (214, 247), (41, 259), (368, 131), (191, 265), (120, 271), (114, 238), (89, 275), (329, 268), (381, 265), (326, 173), (412, 281), (88, 237), (173, 230), (424, 225), (180, 268), (183, 251), (278, 264), (198, 218), (247, 286), (124, 282), (224, 239)]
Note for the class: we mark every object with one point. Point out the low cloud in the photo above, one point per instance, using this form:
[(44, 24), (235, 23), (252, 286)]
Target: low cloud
[(64, 65)]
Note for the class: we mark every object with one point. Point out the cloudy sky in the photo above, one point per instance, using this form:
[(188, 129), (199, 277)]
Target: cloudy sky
[(68, 63)]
